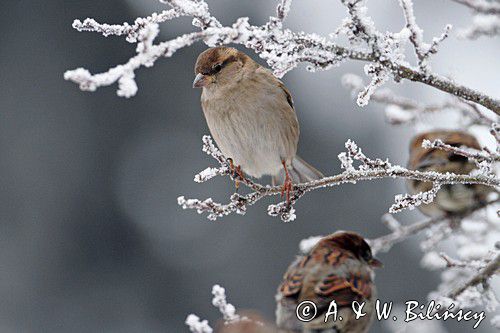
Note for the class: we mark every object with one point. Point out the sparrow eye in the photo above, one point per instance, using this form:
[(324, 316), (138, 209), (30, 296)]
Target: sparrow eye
[(216, 68), (367, 255)]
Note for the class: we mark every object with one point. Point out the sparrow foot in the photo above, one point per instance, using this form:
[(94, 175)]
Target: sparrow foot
[(236, 173)]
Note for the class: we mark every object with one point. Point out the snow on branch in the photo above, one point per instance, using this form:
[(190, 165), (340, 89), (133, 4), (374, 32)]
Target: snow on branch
[(486, 19), (479, 278), (367, 169), (400, 233), (422, 49), (228, 311), (401, 110), (282, 48), (484, 159), (196, 325)]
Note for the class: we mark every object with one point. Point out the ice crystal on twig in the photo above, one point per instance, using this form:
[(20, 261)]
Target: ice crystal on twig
[(196, 325), (407, 201), (227, 310)]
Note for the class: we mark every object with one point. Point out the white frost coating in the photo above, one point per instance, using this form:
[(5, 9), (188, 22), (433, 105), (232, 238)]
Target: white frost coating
[(379, 76), (396, 115), (227, 310), (407, 201), (306, 245), (197, 326), (433, 261), (206, 174)]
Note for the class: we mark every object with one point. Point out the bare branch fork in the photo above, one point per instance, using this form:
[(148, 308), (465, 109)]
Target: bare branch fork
[(368, 169), (282, 48)]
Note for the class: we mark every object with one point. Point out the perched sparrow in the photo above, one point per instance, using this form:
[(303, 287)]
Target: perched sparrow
[(251, 116), (450, 199), (338, 268)]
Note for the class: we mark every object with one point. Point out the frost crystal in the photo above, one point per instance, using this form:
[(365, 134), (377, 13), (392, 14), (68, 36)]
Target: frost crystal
[(197, 326)]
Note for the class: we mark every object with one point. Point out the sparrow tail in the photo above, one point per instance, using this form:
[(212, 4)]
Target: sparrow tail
[(300, 172)]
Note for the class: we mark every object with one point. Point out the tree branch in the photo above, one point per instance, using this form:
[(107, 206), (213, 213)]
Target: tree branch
[(481, 277), (368, 170), (401, 233), (282, 48)]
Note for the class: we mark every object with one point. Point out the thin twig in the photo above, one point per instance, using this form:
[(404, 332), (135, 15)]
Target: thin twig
[(482, 276), (386, 242)]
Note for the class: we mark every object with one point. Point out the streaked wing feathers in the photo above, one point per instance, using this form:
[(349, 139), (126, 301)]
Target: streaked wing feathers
[(344, 290)]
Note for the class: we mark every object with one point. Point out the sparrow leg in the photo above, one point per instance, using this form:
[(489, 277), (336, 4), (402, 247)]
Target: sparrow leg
[(287, 185), (235, 173)]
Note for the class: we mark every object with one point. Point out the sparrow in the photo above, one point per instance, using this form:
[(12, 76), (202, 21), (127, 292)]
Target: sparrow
[(453, 199), (251, 322), (338, 268), (251, 116)]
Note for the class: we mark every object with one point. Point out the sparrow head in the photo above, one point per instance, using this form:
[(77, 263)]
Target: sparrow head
[(219, 66), (418, 154), (353, 243)]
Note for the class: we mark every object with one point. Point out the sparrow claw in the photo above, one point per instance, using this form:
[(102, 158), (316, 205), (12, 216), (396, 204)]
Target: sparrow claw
[(236, 173)]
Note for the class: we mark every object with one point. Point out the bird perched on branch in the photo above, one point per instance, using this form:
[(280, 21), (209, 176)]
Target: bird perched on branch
[(338, 268), (450, 199), (251, 116)]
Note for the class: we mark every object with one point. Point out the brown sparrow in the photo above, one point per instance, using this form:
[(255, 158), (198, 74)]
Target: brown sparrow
[(338, 268), (251, 116), (450, 199), (253, 322)]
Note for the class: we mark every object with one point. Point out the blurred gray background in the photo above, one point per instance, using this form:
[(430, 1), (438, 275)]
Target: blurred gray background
[(91, 237)]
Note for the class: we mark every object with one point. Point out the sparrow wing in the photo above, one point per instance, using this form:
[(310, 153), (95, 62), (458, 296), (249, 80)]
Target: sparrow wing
[(288, 96), (344, 290), (293, 279)]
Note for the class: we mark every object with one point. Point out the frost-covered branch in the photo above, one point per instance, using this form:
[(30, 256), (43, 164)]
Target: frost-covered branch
[(227, 310), (131, 31), (476, 155), (402, 110), (282, 48), (464, 280), (400, 233), (422, 49), (486, 19), (481, 277), (368, 169)]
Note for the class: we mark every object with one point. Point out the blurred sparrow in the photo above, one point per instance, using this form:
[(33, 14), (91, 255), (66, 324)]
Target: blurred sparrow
[(338, 268), (251, 322), (450, 199), (251, 116)]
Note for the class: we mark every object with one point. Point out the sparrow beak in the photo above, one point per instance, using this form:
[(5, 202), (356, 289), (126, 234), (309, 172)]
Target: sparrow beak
[(200, 80), (375, 263)]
